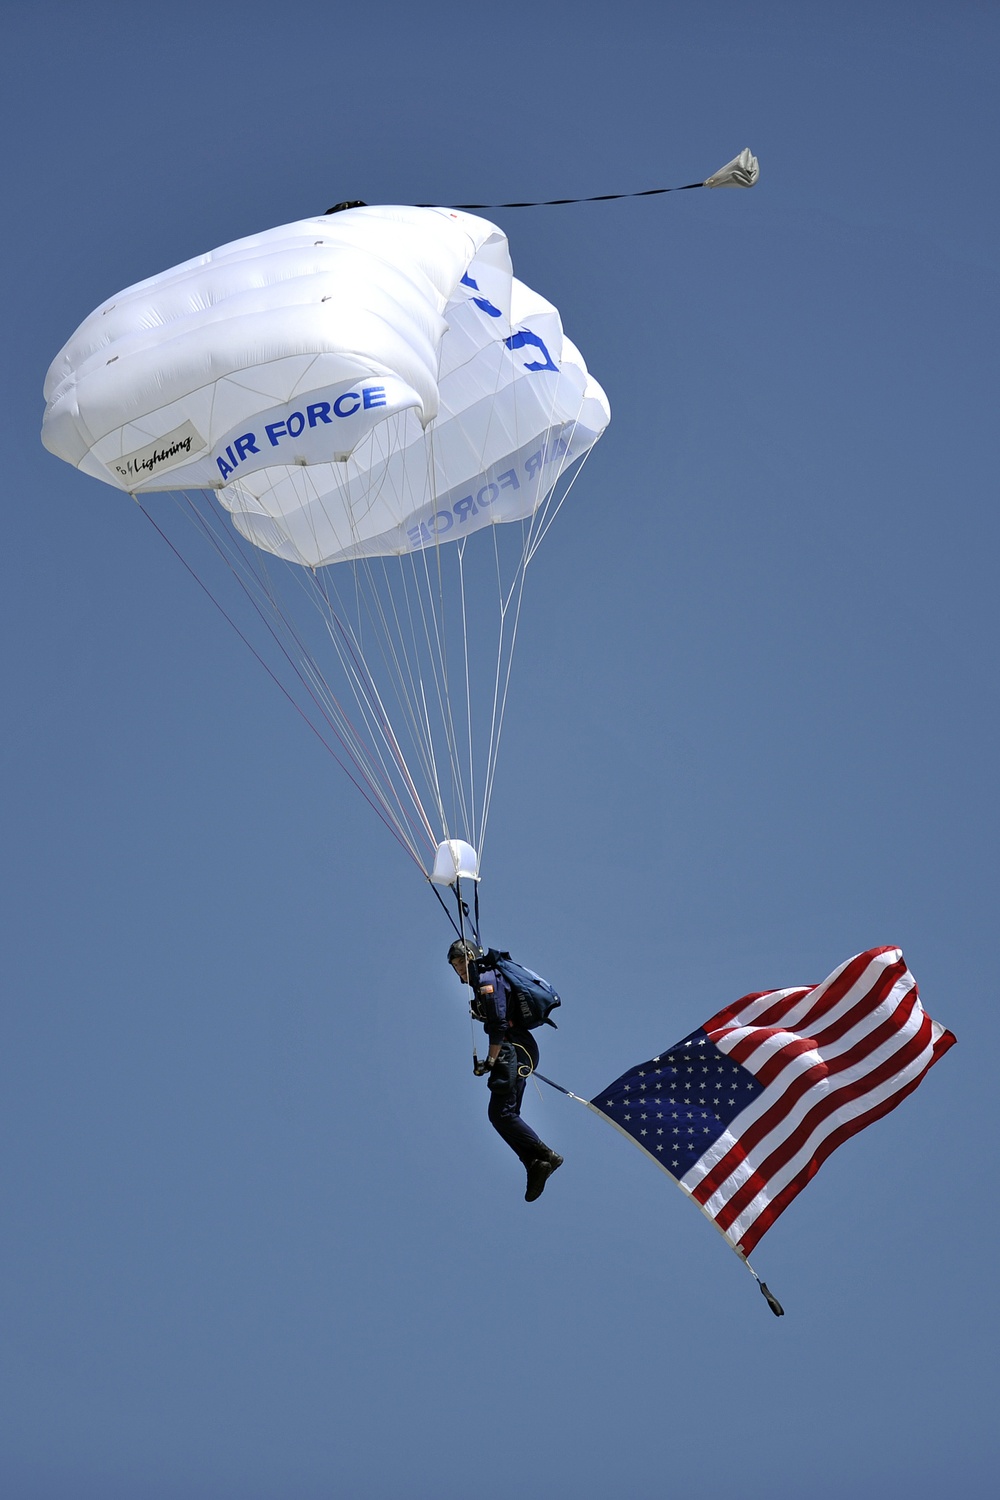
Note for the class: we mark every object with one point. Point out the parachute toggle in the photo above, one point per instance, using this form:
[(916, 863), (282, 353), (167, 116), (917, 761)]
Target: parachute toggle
[(741, 172)]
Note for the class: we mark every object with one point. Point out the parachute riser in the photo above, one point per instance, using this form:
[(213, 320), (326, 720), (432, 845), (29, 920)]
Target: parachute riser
[(464, 915)]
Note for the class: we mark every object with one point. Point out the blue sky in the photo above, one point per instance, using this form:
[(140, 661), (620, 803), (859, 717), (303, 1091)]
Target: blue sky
[(259, 1239)]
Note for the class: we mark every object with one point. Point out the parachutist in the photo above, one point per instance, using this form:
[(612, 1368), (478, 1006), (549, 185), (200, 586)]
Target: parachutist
[(510, 1062)]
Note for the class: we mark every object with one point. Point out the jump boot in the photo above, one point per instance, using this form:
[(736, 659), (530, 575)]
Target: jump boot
[(539, 1172)]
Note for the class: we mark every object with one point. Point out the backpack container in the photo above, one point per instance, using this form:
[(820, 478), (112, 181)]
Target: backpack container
[(531, 997)]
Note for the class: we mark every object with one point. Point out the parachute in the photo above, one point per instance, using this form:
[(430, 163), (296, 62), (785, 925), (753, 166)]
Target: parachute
[(373, 423)]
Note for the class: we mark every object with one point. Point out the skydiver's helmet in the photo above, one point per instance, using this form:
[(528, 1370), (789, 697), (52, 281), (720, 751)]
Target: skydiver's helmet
[(463, 948)]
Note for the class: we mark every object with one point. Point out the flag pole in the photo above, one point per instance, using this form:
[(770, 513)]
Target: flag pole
[(768, 1295)]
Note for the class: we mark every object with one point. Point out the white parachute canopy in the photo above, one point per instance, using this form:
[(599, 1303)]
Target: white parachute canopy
[(367, 389)]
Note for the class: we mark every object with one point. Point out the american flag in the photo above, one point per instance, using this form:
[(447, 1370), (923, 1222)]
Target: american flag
[(744, 1111)]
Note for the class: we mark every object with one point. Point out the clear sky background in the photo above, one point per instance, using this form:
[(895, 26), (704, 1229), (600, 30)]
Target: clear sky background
[(258, 1238)]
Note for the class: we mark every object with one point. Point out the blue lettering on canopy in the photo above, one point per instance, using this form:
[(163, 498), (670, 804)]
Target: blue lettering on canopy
[(369, 397), (482, 302), (525, 336), (441, 522)]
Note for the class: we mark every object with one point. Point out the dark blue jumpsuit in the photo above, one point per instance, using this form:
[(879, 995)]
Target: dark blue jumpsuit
[(509, 1074)]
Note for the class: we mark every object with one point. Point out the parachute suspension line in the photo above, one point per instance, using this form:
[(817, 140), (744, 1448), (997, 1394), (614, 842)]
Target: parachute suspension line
[(531, 546), (468, 695), (430, 602), (379, 741), (548, 519), (254, 565), (463, 910), (517, 584), (414, 612), (401, 669), (436, 641), (358, 671), (407, 697), (367, 792), (444, 907), (441, 628), (371, 705), (347, 642), (383, 787), (374, 603), (496, 713), (377, 775), (474, 816), (412, 699), (538, 526), (504, 596), (372, 600), (432, 757)]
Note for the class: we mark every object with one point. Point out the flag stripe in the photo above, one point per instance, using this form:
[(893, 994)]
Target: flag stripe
[(852, 1017), (834, 1003), (836, 1138), (813, 1122), (778, 1108), (838, 983), (740, 1007), (889, 1095)]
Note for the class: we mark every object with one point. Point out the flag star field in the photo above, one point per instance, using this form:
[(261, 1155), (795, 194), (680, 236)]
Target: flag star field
[(677, 1105)]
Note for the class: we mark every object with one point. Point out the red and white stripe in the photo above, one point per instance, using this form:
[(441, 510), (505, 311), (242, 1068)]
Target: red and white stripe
[(832, 1058)]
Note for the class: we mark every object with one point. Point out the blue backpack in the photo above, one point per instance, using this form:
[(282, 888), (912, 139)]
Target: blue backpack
[(531, 996)]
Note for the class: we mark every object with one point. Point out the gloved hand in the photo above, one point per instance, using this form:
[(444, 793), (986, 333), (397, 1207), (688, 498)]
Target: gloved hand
[(480, 1065)]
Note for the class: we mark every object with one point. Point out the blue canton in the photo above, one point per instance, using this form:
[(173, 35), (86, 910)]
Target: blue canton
[(678, 1104)]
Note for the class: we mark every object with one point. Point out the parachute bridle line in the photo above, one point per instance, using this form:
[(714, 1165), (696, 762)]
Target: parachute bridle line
[(741, 172), (560, 202)]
